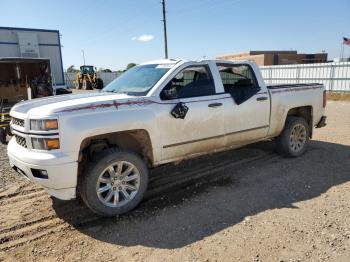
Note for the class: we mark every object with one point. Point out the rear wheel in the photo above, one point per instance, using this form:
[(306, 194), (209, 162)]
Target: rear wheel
[(115, 183), (294, 139), (99, 83)]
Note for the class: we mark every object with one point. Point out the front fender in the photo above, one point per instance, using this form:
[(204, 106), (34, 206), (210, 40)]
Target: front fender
[(76, 127)]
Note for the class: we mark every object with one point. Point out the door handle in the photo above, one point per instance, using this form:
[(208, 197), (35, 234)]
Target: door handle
[(215, 105), (261, 98)]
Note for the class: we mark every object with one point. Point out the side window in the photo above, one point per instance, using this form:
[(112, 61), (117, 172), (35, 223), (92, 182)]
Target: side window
[(192, 81), (239, 81)]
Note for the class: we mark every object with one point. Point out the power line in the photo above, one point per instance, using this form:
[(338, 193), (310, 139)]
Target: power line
[(202, 7), (108, 30), (165, 33)]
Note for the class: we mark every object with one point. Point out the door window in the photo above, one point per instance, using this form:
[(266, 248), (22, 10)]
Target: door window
[(239, 81), (192, 81)]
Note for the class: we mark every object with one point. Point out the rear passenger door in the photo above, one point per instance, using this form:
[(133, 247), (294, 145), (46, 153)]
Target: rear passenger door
[(202, 127), (247, 112)]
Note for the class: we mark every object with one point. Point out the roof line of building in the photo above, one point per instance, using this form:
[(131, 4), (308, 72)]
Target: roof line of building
[(28, 29)]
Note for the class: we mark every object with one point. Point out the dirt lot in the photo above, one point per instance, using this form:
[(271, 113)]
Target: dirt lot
[(248, 204)]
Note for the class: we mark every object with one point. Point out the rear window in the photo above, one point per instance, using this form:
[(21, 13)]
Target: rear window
[(234, 74), (239, 81)]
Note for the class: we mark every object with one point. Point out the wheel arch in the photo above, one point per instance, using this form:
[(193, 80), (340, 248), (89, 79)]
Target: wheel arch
[(137, 141), (305, 112)]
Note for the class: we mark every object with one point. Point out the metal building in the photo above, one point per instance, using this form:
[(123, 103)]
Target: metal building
[(34, 43)]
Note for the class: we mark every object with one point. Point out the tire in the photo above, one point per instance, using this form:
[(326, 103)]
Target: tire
[(2, 135), (84, 85), (99, 83), (294, 139), (8, 131), (113, 201), (77, 84), (87, 85)]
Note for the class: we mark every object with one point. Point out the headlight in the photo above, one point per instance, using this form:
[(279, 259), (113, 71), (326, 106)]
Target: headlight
[(43, 125), (45, 143)]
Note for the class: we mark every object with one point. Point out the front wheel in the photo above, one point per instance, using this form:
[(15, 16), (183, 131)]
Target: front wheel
[(294, 139), (84, 85), (115, 183), (77, 84)]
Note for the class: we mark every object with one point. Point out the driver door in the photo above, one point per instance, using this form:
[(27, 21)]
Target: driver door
[(202, 128)]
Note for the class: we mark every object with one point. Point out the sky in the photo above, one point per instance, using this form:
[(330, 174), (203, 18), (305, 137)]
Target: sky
[(113, 33)]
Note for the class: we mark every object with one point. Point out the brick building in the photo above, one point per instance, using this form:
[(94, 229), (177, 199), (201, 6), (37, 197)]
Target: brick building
[(263, 58)]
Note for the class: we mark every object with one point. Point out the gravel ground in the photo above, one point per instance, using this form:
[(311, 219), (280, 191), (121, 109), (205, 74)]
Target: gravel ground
[(248, 204)]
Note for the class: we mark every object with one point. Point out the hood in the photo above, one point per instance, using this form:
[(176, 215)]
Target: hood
[(70, 103)]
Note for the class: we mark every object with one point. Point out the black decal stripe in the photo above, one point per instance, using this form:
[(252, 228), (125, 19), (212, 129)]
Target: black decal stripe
[(193, 101), (204, 100), (212, 137)]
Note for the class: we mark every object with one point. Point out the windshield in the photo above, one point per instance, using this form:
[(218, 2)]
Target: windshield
[(87, 69), (138, 80)]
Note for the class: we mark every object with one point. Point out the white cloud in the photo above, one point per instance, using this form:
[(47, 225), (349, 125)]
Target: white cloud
[(143, 38)]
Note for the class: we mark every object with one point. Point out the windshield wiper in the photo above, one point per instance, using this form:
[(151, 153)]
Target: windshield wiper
[(114, 91), (117, 92)]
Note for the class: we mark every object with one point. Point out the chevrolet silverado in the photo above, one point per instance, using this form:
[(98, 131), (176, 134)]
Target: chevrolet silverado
[(100, 146)]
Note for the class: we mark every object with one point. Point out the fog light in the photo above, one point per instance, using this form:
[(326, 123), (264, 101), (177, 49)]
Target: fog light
[(39, 173)]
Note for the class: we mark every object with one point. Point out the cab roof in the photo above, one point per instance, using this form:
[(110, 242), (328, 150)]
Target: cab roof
[(162, 61), (175, 61)]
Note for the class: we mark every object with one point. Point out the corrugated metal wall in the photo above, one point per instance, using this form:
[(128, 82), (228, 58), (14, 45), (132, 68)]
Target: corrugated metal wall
[(49, 47), (335, 76)]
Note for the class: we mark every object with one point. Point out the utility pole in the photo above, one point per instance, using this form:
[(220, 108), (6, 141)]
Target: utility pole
[(165, 34)]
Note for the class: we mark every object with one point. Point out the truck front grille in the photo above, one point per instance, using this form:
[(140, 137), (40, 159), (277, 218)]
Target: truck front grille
[(21, 141), (17, 122)]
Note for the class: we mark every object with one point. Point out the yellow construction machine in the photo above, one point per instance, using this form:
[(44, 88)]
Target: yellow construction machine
[(87, 79)]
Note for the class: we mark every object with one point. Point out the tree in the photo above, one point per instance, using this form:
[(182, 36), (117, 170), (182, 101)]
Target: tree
[(130, 65), (71, 69), (104, 70)]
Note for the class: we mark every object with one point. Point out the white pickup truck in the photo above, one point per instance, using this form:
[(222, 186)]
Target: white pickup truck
[(99, 146)]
